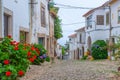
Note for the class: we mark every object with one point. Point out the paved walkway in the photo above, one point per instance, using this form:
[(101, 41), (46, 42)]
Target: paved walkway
[(73, 70)]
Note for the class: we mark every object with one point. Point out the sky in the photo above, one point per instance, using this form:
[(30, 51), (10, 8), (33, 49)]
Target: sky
[(69, 16)]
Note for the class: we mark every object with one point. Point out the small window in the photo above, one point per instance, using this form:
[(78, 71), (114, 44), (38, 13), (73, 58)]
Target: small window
[(43, 18), (100, 20), (6, 26), (41, 40), (23, 37), (107, 18), (80, 38), (89, 21), (118, 16)]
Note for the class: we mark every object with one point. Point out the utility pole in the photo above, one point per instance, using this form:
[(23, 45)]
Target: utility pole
[(110, 38)]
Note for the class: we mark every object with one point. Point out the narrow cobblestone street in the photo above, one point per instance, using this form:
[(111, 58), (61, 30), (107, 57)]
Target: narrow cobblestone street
[(73, 70)]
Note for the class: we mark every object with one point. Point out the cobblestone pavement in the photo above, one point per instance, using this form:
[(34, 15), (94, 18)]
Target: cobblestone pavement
[(74, 70)]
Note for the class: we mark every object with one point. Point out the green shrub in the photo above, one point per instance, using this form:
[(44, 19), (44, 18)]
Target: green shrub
[(98, 50), (41, 54), (84, 57), (16, 57), (13, 59)]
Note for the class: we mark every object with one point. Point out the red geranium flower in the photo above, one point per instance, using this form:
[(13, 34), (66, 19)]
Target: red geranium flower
[(9, 36), (6, 62), (34, 57), (31, 60), (37, 50), (20, 73), (28, 54), (13, 43), (16, 48), (8, 73), (17, 43), (32, 48)]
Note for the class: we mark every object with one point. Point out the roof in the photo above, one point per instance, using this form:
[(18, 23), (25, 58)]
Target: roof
[(91, 11), (80, 29), (72, 35), (112, 1)]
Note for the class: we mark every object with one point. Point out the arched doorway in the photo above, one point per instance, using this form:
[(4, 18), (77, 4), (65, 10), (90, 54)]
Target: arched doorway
[(89, 43), (78, 53), (82, 51)]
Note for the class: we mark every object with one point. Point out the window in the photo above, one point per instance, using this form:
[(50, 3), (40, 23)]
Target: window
[(23, 37), (118, 16), (8, 22), (41, 40), (100, 20), (6, 26), (80, 38), (43, 18), (89, 21), (113, 40), (107, 18)]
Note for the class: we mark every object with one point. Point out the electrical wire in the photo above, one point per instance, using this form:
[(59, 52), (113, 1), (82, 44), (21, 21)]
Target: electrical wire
[(72, 7), (73, 23)]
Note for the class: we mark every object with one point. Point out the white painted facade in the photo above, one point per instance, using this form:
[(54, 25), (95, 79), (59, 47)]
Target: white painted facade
[(81, 35), (72, 46), (25, 15), (115, 7), (20, 16), (58, 50), (97, 32), (37, 29)]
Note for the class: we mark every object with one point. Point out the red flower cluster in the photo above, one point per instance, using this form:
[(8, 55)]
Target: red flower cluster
[(8, 73), (6, 62), (37, 50), (14, 43), (20, 73), (32, 48), (29, 54), (33, 58), (9, 36)]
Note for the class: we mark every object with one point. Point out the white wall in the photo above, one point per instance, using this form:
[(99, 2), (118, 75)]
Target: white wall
[(72, 47), (80, 45), (97, 32), (114, 18), (40, 29), (20, 14), (1, 19)]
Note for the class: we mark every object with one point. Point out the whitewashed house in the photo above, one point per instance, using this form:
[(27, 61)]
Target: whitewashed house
[(14, 19), (73, 46), (115, 19), (58, 51), (40, 22), (28, 21), (81, 41), (97, 25)]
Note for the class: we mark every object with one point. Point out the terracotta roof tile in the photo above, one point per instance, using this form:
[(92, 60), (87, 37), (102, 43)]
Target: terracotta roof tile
[(80, 29), (91, 11), (72, 35)]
